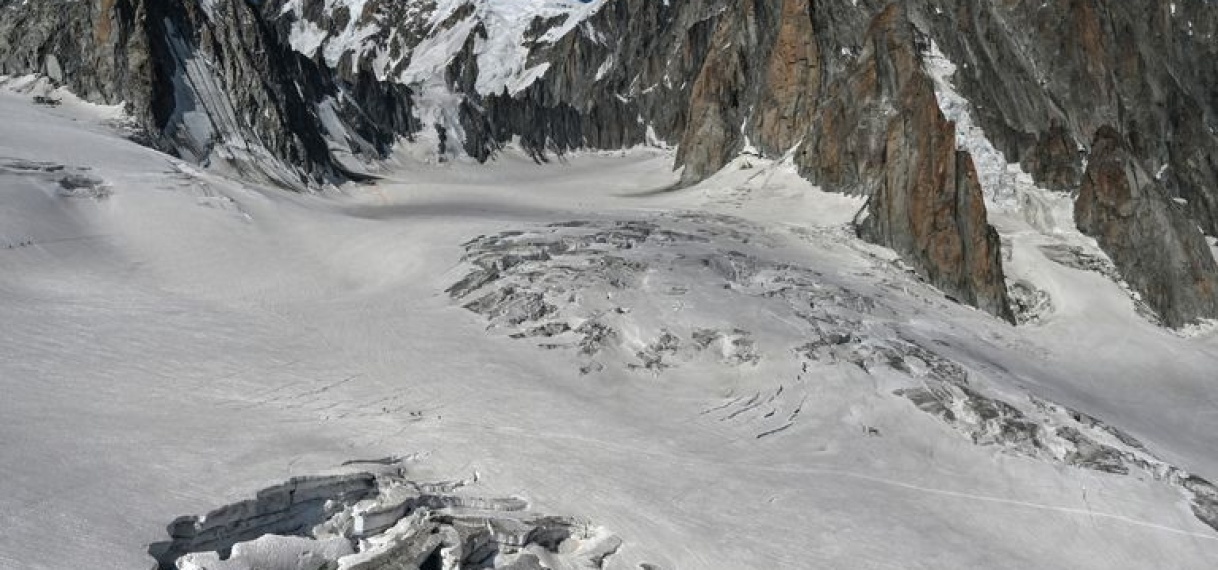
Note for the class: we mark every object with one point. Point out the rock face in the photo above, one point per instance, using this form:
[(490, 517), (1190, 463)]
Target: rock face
[(868, 123), (302, 91), (211, 82), (1043, 78), (778, 75), (926, 201), (1154, 245), (98, 48)]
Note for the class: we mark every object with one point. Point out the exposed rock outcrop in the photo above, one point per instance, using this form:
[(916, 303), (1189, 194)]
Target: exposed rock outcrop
[(98, 49), (321, 89), (793, 79), (865, 120), (212, 82), (240, 84), (1043, 78), (776, 73), (926, 201), (1154, 245)]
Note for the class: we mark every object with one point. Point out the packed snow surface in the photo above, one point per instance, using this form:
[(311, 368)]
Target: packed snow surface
[(722, 376)]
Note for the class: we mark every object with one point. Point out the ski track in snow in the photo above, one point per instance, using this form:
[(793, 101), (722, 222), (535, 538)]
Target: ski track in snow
[(206, 338), (670, 458)]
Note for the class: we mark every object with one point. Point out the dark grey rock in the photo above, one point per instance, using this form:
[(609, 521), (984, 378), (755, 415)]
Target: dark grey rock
[(840, 79), (1029, 303), (1155, 246), (1205, 499), (231, 66)]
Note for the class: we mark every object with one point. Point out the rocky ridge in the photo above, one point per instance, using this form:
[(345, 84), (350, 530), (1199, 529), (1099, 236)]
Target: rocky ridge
[(1151, 239), (211, 82), (300, 91)]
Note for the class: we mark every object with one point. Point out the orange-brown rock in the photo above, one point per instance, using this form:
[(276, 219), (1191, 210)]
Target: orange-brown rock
[(875, 129), (792, 80), (1157, 249), (925, 198), (103, 25)]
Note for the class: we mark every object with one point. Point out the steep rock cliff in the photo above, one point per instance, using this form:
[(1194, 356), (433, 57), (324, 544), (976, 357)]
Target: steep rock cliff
[(1153, 243), (1043, 78), (212, 82), (313, 85), (98, 48), (299, 91), (928, 203), (864, 119)]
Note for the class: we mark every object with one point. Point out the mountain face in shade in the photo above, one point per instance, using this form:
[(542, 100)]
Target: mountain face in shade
[(927, 107)]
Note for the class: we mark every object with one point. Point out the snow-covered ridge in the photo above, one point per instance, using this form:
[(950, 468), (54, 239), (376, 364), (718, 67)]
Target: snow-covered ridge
[(504, 51), (412, 42)]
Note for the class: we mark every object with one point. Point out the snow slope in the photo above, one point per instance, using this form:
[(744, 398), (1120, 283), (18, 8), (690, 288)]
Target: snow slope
[(174, 340), (414, 42), (502, 46)]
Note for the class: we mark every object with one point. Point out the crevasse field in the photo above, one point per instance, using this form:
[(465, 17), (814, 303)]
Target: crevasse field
[(720, 376)]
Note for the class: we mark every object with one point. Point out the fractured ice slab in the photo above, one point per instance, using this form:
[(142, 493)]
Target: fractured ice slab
[(366, 521)]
